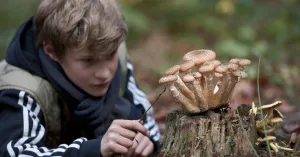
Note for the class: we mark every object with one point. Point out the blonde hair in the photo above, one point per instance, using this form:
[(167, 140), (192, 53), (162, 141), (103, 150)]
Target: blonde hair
[(97, 24)]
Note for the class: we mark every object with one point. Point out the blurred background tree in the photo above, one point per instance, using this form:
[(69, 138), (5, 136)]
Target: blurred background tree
[(161, 31)]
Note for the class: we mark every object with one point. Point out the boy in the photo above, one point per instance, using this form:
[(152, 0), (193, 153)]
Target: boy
[(60, 85)]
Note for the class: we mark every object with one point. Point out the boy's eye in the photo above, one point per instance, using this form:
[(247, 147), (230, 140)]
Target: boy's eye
[(87, 59)]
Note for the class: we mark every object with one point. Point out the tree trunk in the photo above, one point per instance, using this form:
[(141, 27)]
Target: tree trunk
[(210, 134)]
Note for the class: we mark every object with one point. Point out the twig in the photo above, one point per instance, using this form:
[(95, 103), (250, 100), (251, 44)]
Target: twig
[(143, 116)]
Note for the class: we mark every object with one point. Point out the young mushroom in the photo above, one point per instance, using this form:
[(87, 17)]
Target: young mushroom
[(220, 70), (174, 70), (186, 103), (268, 111), (207, 71)]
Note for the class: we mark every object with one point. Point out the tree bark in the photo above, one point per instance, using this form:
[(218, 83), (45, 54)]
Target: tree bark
[(210, 134)]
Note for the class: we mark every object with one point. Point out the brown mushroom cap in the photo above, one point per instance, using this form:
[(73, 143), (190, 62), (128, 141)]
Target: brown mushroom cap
[(219, 75), (206, 68), (197, 75), (167, 79), (214, 62), (234, 60), (244, 62), (232, 67), (188, 78), (221, 68), (186, 66), (190, 55), (270, 106), (172, 70), (205, 55)]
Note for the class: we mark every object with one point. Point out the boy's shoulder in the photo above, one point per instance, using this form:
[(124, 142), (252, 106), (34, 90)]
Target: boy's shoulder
[(12, 77)]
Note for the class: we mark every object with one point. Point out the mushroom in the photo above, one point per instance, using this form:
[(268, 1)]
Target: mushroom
[(220, 70), (186, 103), (191, 55), (186, 67), (174, 70), (207, 71), (229, 82), (239, 75), (268, 110), (202, 103), (203, 56), (277, 116)]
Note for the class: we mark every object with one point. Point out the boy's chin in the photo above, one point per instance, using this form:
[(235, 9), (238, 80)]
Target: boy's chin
[(97, 93)]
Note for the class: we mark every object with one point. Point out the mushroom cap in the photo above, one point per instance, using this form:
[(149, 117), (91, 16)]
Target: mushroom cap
[(221, 68), (239, 73), (197, 75), (206, 68), (190, 55), (219, 75), (203, 56), (270, 106), (234, 60), (186, 66), (232, 67), (188, 78), (214, 62), (167, 79), (172, 70), (244, 62)]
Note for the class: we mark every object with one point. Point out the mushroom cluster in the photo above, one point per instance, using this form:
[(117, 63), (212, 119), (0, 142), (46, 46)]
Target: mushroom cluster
[(201, 82), (272, 118)]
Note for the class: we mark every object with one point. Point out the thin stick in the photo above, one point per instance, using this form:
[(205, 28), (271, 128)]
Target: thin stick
[(152, 105)]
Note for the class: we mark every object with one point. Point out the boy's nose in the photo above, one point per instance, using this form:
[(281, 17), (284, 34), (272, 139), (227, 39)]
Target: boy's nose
[(102, 73)]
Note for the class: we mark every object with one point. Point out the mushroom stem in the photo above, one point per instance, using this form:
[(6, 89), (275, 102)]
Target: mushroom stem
[(187, 104), (184, 89), (202, 103), (218, 95), (230, 83), (209, 86)]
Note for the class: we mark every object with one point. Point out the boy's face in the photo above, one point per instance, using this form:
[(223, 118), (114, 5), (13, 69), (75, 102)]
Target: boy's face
[(92, 74)]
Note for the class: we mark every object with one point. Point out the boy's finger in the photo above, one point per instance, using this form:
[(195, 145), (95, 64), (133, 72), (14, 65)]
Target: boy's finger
[(123, 141), (116, 148), (132, 125), (142, 145), (126, 133), (147, 151)]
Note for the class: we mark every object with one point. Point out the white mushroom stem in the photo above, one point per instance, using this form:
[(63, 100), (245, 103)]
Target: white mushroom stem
[(202, 103), (217, 98), (183, 88), (187, 104), (229, 83), (209, 86)]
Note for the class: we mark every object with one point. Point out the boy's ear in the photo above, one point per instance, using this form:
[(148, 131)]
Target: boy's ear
[(48, 48)]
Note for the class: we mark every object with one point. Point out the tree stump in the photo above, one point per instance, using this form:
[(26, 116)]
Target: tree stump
[(210, 134)]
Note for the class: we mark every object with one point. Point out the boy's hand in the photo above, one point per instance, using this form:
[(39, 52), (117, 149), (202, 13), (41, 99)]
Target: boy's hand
[(120, 137), (143, 148)]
